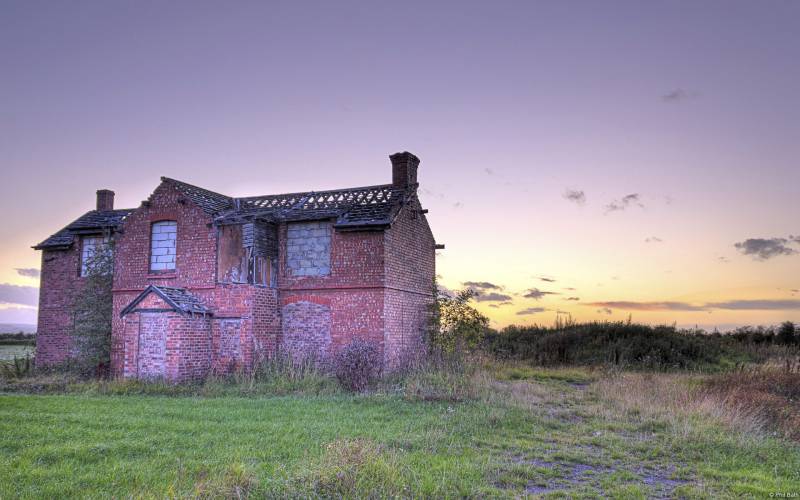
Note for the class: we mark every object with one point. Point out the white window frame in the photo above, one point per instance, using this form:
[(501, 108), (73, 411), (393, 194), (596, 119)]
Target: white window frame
[(89, 246), (163, 246)]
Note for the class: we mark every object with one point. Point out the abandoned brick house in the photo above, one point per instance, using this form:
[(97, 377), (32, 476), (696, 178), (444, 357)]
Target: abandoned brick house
[(204, 281)]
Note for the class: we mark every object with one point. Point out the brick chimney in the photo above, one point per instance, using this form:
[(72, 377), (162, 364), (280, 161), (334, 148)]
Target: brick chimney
[(105, 200), (404, 169)]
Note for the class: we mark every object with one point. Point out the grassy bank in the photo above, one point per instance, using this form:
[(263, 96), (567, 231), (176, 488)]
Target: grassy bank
[(507, 429)]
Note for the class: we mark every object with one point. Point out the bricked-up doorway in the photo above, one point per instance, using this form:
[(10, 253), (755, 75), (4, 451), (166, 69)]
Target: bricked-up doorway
[(152, 345)]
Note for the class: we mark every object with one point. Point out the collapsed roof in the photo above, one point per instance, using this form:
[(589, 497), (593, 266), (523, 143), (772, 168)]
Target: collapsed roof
[(358, 208)]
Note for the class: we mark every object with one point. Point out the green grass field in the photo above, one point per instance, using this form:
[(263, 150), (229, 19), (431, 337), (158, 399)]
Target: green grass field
[(536, 432)]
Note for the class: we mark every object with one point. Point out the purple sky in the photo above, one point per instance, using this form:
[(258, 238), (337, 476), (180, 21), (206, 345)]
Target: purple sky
[(692, 106)]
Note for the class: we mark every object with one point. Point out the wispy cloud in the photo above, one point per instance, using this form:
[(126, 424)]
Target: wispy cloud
[(501, 304), (678, 95), (20, 295), (757, 305), (767, 248), (647, 306), (17, 314), (28, 272), (492, 297), (536, 294), (738, 305), (443, 290), (488, 171), (546, 279), (573, 298), (653, 239), (629, 200), (531, 310), (481, 285), (605, 310), (575, 196), (486, 291)]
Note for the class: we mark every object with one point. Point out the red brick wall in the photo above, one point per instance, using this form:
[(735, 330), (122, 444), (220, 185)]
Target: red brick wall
[(353, 294), (378, 289), (188, 347), (195, 267), (166, 344), (59, 281), (410, 269), (196, 244), (256, 310)]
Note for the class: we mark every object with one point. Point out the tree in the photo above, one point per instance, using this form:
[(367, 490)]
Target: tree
[(786, 333), (91, 312), (455, 324)]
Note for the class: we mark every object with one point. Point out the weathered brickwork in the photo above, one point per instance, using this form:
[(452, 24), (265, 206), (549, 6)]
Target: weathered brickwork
[(195, 263), (310, 288), (164, 344), (60, 279), (308, 248), (228, 345), (152, 342), (307, 329), (410, 268)]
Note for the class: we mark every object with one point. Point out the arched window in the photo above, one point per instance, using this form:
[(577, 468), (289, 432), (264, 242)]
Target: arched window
[(162, 245)]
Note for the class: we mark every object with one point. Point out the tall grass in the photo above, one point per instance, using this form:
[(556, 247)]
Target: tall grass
[(756, 401)]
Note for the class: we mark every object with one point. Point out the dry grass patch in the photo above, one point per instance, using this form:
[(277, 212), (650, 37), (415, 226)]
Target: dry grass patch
[(765, 397)]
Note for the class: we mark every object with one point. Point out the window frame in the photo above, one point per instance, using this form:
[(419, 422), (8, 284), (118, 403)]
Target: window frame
[(103, 240), (150, 262)]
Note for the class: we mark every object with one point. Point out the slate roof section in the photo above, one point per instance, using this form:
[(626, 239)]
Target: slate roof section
[(211, 202), (360, 207), (368, 207), (92, 222), (178, 298)]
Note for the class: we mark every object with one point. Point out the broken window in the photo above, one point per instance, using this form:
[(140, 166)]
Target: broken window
[(247, 253), (163, 238)]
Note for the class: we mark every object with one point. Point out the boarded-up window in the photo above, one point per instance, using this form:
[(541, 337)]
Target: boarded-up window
[(163, 239), (229, 340), (308, 248)]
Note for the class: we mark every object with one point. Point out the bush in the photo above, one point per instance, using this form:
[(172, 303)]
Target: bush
[(621, 344), (454, 324), (357, 365)]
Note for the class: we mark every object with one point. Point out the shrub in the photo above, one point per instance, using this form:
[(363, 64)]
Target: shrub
[(454, 324), (786, 333), (357, 365), (91, 313), (17, 368)]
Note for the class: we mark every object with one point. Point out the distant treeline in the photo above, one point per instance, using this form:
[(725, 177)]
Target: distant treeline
[(20, 338), (635, 345)]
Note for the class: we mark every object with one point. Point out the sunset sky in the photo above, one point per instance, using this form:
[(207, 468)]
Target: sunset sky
[(598, 159)]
